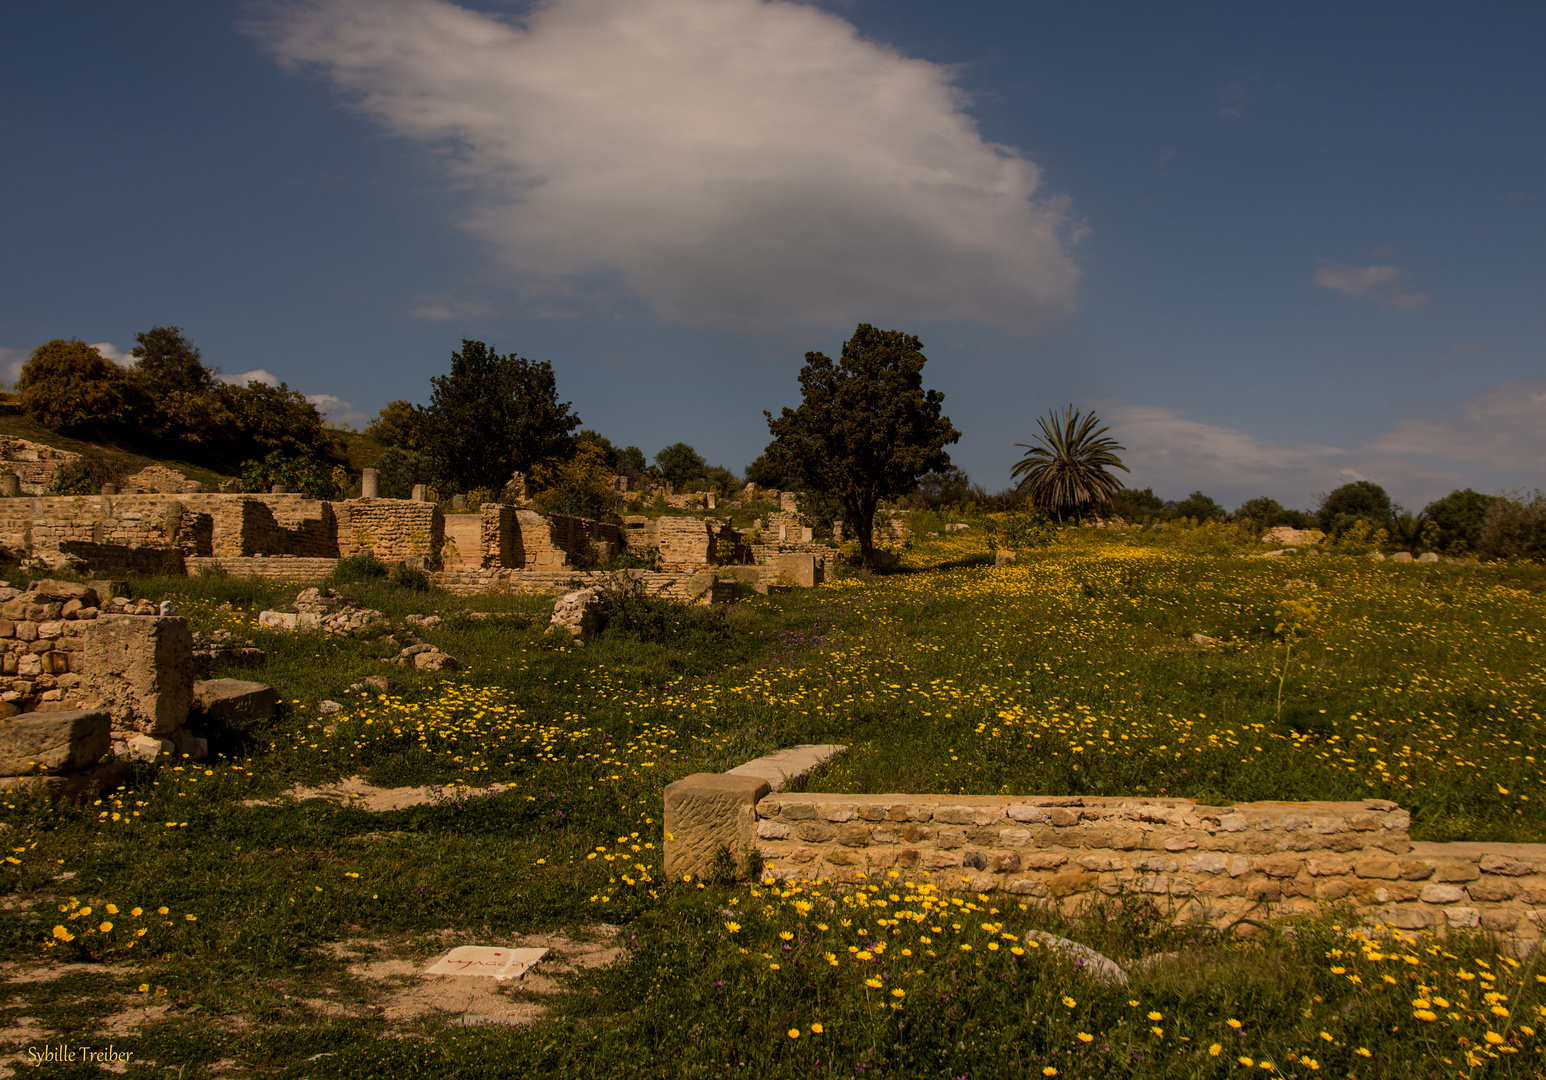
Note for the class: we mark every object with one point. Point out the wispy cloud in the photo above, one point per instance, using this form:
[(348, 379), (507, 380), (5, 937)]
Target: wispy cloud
[(109, 352), (1503, 427), (745, 164), (442, 308), (1491, 439), (1381, 285), (257, 375), (11, 361), (337, 411)]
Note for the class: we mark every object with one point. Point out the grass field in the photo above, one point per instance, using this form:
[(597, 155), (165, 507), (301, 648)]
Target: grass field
[(1073, 672)]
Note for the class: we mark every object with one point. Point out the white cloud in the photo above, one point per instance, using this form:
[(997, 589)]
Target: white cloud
[(746, 164), (1503, 427), (1378, 284), (122, 359), (11, 361), (336, 411), (257, 375), (441, 308)]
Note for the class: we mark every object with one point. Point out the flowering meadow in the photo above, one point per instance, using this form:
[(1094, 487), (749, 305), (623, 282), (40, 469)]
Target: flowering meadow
[(1171, 662)]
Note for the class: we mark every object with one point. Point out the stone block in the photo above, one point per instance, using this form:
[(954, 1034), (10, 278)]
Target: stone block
[(1442, 894), (1457, 872), (50, 591), (1499, 921), (53, 742), (707, 811), (1504, 864), (1463, 918), (798, 568), (140, 670), (1388, 869), (227, 700)]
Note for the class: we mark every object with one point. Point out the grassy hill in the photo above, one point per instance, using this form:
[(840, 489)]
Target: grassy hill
[(109, 458)]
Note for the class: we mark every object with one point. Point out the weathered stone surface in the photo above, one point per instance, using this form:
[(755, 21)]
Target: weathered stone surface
[(1505, 864), (1493, 890), (577, 613), (50, 591), (1387, 869), (140, 670), (228, 700), (704, 812), (53, 742), (1442, 894), (780, 767)]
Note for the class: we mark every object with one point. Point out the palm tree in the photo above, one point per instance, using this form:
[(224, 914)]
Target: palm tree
[(1065, 471)]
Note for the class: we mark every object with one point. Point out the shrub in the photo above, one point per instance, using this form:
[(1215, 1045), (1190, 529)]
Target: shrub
[(67, 384), (301, 473), (1458, 518), (400, 469), (581, 486), (1362, 500), (362, 567), (628, 612), (1514, 527), (410, 578)]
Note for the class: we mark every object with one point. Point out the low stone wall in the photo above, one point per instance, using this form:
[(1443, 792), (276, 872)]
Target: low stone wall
[(518, 539), (393, 529), (689, 543), (37, 465), (289, 568), (1208, 864), (688, 588)]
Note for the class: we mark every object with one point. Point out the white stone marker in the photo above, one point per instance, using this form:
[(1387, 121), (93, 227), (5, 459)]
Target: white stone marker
[(485, 960)]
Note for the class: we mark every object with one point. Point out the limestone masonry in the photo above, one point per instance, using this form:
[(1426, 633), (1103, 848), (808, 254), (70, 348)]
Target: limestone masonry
[(1209, 864)]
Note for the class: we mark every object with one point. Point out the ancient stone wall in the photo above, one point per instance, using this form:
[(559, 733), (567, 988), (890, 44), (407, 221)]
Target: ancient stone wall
[(690, 543), (36, 464), (520, 539), (1206, 864), (285, 568), (689, 588), (156, 479)]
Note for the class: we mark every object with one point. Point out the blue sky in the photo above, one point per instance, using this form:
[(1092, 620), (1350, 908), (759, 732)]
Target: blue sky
[(1276, 247)]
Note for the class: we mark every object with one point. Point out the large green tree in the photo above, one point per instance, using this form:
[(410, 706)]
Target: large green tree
[(492, 416), (1361, 500), (66, 384), (866, 430), (1064, 471), (680, 465)]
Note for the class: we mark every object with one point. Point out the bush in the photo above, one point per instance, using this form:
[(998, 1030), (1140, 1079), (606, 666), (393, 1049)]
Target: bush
[(1514, 527), (407, 577), (303, 474), (628, 612), (400, 469), (362, 567), (1200, 506), (67, 384), (1458, 519), (1362, 500), (581, 486)]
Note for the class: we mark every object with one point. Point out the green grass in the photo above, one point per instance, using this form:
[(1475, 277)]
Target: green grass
[(957, 680)]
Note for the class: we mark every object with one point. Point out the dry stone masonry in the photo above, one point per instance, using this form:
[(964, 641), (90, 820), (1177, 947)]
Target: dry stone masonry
[(1208, 864)]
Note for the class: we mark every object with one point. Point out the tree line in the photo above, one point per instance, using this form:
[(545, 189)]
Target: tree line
[(865, 433)]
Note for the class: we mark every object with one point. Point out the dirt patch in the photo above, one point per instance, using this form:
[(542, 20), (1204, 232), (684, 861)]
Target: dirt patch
[(410, 995), (354, 791), (22, 973), (135, 1015)]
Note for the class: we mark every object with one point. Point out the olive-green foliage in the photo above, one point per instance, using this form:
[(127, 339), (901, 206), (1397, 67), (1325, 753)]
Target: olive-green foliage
[(67, 385), (297, 472), (491, 416), (1361, 500), (399, 470), (680, 465), (1514, 527), (1458, 517), (399, 423), (1200, 507), (866, 430)]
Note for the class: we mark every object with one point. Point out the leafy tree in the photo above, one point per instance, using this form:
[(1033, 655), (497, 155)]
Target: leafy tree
[(720, 480), (581, 485), (1262, 513), (166, 362), (298, 472), (1458, 518), (680, 465), (1200, 506), (1066, 474), (66, 384), (492, 416), (951, 489), (399, 469), (399, 423), (866, 430), (1361, 500), (1130, 503), (602, 443), (631, 463), (764, 474), (267, 418), (1514, 527)]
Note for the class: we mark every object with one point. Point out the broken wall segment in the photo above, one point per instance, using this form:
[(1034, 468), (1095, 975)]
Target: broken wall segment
[(139, 670), (53, 742), (1214, 864), (514, 538), (35, 464), (705, 812)]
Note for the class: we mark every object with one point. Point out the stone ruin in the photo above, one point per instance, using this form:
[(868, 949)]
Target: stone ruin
[(36, 466), (83, 675), (327, 612)]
